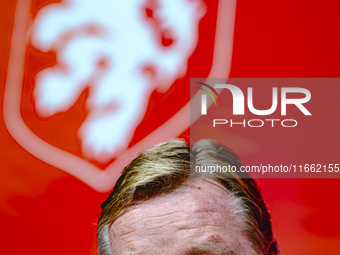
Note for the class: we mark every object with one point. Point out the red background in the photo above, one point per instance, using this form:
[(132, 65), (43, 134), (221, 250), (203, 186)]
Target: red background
[(45, 211)]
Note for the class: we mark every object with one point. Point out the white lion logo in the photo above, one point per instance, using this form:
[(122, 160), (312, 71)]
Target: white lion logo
[(121, 51)]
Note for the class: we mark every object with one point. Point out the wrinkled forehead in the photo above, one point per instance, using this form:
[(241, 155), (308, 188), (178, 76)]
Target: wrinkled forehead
[(195, 217), (194, 196)]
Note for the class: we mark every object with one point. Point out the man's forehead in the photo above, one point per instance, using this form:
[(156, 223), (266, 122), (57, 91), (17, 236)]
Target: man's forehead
[(196, 196), (192, 217)]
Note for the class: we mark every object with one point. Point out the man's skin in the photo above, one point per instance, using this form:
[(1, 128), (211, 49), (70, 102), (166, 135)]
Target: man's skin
[(197, 219)]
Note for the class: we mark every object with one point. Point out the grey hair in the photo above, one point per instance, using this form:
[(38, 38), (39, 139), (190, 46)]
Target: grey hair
[(170, 165)]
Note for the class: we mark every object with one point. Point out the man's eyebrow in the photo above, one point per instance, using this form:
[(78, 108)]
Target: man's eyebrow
[(218, 247)]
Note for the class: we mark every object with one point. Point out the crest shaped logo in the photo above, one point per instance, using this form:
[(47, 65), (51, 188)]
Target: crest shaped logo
[(119, 54)]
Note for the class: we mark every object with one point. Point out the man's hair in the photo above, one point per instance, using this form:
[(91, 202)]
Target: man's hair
[(170, 165)]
